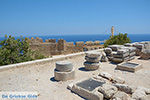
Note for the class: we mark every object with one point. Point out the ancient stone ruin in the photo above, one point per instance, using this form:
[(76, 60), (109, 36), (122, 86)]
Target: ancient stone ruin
[(129, 66), (52, 47), (108, 87), (64, 71), (92, 60)]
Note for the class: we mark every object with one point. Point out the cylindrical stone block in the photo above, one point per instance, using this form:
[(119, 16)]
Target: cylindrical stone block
[(89, 59), (93, 54), (64, 76), (91, 66), (64, 66)]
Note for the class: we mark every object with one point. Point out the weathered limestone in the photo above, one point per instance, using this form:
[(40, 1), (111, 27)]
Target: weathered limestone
[(93, 54), (88, 89), (141, 93), (125, 88), (96, 60), (118, 80), (115, 47), (147, 97), (121, 55), (111, 78), (145, 54), (108, 51), (108, 90), (64, 71), (92, 60), (121, 96), (106, 75), (104, 57), (138, 94), (91, 66), (64, 66), (129, 66)]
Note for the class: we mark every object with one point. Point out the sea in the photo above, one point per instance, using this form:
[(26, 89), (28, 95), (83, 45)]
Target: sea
[(93, 37)]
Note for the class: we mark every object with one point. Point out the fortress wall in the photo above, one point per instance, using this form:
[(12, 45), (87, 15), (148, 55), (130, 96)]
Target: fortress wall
[(89, 43), (70, 43), (79, 43), (44, 48), (51, 40), (96, 42), (51, 47)]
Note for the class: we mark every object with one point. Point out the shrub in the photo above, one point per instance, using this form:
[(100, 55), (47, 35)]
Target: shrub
[(15, 51), (119, 39)]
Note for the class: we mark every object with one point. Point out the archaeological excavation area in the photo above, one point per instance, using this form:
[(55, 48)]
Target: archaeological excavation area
[(118, 72)]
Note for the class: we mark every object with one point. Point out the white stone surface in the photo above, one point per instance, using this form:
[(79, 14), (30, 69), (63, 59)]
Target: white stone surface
[(64, 76), (108, 90)]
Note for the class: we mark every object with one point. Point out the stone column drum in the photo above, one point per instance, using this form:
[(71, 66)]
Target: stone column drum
[(64, 71), (92, 60)]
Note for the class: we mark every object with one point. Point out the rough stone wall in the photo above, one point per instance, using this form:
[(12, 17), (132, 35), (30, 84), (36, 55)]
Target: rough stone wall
[(44, 49), (51, 47)]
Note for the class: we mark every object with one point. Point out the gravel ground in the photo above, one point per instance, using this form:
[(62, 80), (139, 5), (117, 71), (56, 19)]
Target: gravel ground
[(40, 78)]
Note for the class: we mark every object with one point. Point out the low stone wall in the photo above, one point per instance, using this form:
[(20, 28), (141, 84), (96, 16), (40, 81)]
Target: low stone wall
[(43, 61)]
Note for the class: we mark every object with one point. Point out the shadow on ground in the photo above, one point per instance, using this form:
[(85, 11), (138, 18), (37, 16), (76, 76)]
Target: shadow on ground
[(53, 79)]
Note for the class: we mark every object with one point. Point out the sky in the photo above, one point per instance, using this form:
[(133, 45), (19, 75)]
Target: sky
[(61, 17)]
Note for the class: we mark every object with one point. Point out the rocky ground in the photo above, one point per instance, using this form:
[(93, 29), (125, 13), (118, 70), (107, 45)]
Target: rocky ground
[(40, 78)]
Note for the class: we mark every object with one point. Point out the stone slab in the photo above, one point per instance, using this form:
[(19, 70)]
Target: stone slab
[(88, 89), (115, 47), (129, 66), (119, 60), (121, 55)]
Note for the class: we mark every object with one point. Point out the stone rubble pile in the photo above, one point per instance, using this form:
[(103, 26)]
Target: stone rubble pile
[(140, 46), (120, 91), (120, 53), (145, 54), (111, 88), (92, 60), (128, 51), (64, 71)]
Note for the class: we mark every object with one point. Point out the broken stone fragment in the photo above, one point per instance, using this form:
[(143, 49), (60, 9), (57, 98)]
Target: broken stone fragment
[(104, 57), (108, 90), (121, 96), (70, 86), (106, 75), (145, 54), (118, 80), (101, 79), (114, 79), (108, 50), (125, 88)]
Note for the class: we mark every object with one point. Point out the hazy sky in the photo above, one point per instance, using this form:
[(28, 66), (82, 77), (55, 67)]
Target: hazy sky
[(43, 17)]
